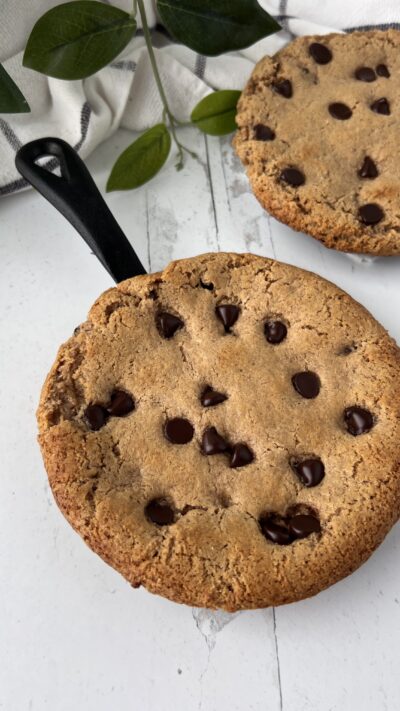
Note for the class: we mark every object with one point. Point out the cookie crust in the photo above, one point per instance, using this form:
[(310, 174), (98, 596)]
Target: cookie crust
[(214, 553), (330, 151)]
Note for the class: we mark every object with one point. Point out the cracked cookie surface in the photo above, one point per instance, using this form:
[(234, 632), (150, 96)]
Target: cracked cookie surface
[(226, 432), (317, 131)]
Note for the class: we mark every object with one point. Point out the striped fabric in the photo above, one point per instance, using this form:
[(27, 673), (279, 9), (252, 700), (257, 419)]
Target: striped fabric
[(305, 17)]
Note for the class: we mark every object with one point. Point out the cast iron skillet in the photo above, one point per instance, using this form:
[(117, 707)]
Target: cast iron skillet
[(76, 196)]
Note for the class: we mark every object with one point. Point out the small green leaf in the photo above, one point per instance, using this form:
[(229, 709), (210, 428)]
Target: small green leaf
[(11, 99), (215, 114), (142, 160), (212, 27), (76, 39)]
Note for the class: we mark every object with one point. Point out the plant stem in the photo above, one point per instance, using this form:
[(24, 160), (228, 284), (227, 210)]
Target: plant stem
[(167, 111), (134, 8)]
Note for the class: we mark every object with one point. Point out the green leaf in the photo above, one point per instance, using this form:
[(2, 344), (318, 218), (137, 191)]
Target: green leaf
[(215, 26), (215, 114), (11, 99), (76, 39), (142, 160)]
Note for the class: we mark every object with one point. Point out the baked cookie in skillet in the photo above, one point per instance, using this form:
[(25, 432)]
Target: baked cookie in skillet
[(226, 432), (318, 126)]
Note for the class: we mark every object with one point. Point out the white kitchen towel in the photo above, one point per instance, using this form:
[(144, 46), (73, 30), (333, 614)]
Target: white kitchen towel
[(124, 94)]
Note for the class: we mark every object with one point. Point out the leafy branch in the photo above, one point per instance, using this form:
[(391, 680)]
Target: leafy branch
[(167, 111), (78, 38)]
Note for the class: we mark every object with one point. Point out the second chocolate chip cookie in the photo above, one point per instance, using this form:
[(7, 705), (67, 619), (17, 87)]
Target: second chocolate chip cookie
[(318, 128)]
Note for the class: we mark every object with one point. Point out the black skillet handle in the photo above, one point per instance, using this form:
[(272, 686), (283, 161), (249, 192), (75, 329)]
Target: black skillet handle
[(76, 196)]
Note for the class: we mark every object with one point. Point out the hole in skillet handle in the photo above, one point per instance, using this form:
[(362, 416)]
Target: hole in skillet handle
[(75, 195), (50, 163)]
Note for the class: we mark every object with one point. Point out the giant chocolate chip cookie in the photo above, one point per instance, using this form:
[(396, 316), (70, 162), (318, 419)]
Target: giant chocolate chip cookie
[(226, 432)]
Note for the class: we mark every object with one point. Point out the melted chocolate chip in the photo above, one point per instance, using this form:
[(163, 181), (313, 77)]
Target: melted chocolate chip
[(368, 169), (310, 471), (381, 106), (293, 177), (307, 384), (228, 314), (365, 74), (241, 455), (320, 53), (210, 397), (224, 501), (121, 404), (178, 430), (96, 416), (383, 71), (358, 420), (263, 133), (284, 88), (212, 442), (340, 111), (275, 532), (168, 324), (346, 350), (204, 285), (160, 512), (370, 214), (302, 525), (275, 331)]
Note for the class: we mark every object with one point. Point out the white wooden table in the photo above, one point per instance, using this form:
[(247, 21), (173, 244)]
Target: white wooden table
[(74, 636)]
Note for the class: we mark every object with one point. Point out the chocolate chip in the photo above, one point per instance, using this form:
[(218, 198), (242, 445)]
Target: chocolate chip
[(96, 416), (228, 314), (370, 214), (365, 74), (241, 456), (212, 442), (121, 404), (178, 430), (205, 285), (320, 53), (346, 350), (381, 106), (210, 397), (283, 87), (358, 420), (293, 177), (383, 71), (275, 532), (263, 133), (302, 525), (339, 111), (275, 331), (168, 324), (310, 471), (307, 384), (224, 501), (368, 169), (160, 512)]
